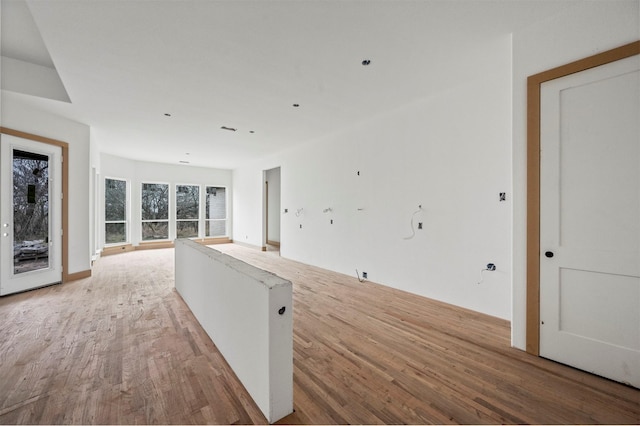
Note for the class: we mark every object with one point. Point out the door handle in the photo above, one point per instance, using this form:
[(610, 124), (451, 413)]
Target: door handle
[(549, 254)]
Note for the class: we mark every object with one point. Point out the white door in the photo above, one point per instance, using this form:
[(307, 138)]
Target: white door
[(590, 220), (30, 214)]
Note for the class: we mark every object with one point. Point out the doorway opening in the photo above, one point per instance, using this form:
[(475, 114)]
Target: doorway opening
[(272, 186)]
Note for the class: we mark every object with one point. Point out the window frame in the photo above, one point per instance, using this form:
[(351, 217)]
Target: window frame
[(127, 210), (167, 220), (226, 212), (199, 207)]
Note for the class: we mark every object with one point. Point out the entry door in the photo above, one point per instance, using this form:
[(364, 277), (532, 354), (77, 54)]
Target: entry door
[(590, 220), (30, 214)]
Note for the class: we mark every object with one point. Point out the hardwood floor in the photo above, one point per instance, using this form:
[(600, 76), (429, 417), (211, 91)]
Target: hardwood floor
[(121, 347)]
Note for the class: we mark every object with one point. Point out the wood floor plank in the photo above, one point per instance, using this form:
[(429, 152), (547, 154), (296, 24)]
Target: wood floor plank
[(449, 365), (121, 347)]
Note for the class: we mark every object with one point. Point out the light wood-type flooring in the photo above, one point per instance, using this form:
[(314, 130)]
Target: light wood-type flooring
[(121, 347)]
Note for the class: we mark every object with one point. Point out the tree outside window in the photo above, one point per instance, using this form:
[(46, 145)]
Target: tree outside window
[(155, 211), (30, 196), (187, 211), (115, 211)]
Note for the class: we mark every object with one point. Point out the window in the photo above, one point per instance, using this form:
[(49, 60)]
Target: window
[(216, 212), (155, 211), (187, 210), (115, 211)]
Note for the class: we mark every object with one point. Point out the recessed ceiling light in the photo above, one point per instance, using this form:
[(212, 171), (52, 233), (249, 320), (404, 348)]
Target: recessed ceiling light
[(366, 62), (228, 128), (296, 105)]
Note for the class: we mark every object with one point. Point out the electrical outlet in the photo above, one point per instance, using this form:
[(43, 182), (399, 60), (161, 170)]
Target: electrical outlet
[(364, 275), (503, 196), (332, 221), (419, 225), (300, 226)]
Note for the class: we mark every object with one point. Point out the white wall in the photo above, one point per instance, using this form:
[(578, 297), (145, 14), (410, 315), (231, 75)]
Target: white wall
[(32, 79), (18, 115), (1, 62), (137, 172), (247, 205), (587, 29), (450, 153), (248, 314)]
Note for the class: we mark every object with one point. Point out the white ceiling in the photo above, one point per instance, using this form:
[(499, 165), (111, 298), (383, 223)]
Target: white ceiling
[(242, 64)]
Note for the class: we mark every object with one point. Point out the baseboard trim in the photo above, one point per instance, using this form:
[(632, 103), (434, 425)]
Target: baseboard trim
[(213, 240), (124, 248), (251, 246), (76, 276), (151, 245)]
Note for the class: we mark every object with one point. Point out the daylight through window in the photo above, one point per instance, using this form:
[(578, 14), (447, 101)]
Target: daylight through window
[(187, 210), (115, 211), (155, 211), (216, 212)]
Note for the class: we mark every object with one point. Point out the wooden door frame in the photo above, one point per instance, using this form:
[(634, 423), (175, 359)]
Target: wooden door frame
[(534, 84), (64, 146), (266, 211)]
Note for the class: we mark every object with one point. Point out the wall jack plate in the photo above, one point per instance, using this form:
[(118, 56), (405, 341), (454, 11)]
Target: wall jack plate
[(364, 276)]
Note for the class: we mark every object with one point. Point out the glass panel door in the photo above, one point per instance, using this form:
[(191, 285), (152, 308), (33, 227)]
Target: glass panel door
[(30, 211), (30, 208)]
